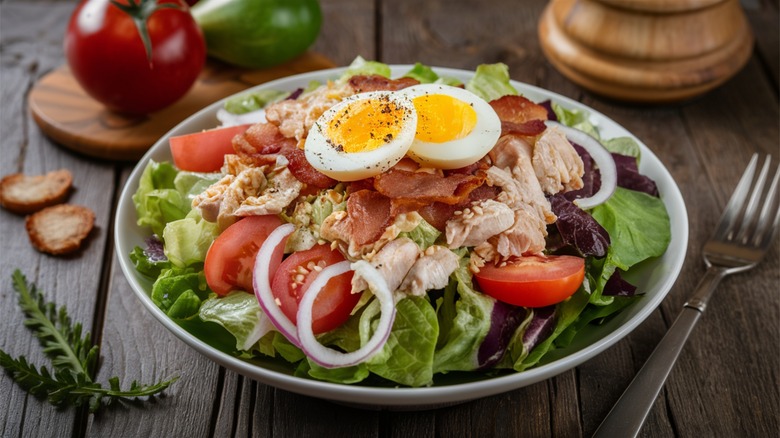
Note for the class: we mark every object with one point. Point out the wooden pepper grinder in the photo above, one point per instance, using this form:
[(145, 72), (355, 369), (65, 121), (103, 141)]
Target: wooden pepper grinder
[(650, 51)]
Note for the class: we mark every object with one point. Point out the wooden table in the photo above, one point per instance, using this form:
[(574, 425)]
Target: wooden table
[(725, 383)]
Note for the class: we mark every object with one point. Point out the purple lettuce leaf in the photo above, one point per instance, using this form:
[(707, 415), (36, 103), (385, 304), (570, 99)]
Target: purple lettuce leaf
[(578, 229), (628, 175), (504, 320), (540, 327), (616, 286)]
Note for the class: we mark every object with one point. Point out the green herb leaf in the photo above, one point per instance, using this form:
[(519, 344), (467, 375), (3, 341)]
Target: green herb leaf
[(73, 358)]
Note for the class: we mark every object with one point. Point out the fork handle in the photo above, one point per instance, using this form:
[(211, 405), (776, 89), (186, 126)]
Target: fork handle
[(629, 413)]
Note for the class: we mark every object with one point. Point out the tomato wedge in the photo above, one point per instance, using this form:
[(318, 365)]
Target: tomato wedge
[(332, 306), (230, 260), (533, 281), (204, 151)]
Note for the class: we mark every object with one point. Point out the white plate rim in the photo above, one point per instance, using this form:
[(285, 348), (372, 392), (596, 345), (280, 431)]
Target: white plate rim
[(410, 398)]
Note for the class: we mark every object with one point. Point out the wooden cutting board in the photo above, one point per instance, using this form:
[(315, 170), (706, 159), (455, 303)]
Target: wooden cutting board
[(74, 120)]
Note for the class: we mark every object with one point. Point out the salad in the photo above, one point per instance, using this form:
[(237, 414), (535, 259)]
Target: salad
[(391, 231)]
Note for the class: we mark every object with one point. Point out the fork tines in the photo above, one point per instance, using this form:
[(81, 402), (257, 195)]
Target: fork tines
[(740, 222)]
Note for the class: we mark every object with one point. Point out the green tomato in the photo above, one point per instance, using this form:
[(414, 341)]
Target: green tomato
[(258, 33)]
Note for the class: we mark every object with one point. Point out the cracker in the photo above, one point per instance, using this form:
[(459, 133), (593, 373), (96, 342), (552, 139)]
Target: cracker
[(60, 229), (26, 194)]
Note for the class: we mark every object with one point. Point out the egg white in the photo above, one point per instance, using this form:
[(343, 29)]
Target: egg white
[(459, 152), (325, 156)]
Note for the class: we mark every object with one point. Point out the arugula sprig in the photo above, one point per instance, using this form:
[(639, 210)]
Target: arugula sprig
[(73, 357)]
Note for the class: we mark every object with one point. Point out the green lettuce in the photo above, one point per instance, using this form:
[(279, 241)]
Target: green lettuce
[(567, 313), (157, 201), (491, 81), (239, 313), (575, 118), (146, 266), (464, 320), (407, 356), (360, 66), (188, 240), (426, 75), (180, 292), (424, 234), (253, 101)]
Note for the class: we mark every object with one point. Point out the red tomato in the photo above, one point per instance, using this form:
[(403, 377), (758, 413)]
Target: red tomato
[(533, 281), (109, 60), (332, 306), (204, 151), (230, 260)]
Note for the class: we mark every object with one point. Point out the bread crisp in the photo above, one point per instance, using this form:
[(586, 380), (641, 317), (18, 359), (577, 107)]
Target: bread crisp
[(26, 194), (60, 229)]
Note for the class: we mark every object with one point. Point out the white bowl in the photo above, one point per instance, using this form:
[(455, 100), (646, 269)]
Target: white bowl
[(654, 278)]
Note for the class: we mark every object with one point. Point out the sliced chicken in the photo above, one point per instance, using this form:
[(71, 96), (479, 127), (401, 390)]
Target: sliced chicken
[(513, 171), (281, 190), (431, 271), (476, 224), (393, 262), (556, 164)]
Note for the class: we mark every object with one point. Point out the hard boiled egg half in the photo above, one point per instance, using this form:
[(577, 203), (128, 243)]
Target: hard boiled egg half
[(362, 136), (455, 127)]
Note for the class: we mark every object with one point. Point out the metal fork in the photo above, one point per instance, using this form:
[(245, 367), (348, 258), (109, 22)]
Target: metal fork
[(741, 239)]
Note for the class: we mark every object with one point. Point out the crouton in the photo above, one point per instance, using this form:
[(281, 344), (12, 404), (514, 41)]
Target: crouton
[(60, 229), (26, 194)]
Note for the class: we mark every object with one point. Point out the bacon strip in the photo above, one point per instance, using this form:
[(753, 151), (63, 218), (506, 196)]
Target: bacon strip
[(437, 213), (261, 139), (369, 214), (425, 187), (530, 128), (302, 170), (518, 109), (364, 83)]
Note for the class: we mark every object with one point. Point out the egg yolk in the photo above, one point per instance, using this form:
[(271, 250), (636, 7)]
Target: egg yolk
[(442, 118), (366, 125)]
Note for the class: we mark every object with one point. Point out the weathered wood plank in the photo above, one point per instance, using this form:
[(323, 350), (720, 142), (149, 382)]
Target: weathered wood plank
[(135, 346), (31, 46)]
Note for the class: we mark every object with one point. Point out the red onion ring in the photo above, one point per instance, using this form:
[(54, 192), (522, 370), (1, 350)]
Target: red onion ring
[(328, 357), (603, 159), (269, 257)]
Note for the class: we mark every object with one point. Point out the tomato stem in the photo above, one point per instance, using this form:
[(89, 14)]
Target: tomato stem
[(140, 11)]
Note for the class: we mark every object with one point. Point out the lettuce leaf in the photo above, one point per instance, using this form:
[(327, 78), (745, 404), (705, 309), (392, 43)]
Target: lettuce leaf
[(407, 357), (426, 75), (179, 292), (491, 81), (157, 201), (424, 234), (575, 118), (638, 225), (239, 313), (464, 321), (248, 102), (188, 240), (360, 66)]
